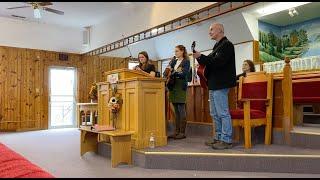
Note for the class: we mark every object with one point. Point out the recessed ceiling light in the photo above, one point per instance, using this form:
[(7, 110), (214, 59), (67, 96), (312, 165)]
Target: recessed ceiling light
[(277, 7)]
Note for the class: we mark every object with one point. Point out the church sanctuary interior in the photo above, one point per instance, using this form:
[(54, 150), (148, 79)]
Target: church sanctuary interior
[(159, 89)]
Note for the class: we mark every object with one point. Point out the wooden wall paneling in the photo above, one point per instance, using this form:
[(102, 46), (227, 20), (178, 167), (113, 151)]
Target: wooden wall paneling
[(23, 90), (16, 75), (79, 82), (8, 98), (31, 83), (8, 87), (44, 88), (2, 61), (28, 91), (41, 99), (37, 83), (99, 69), (24, 75), (88, 79), (5, 90), (83, 79), (105, 66)]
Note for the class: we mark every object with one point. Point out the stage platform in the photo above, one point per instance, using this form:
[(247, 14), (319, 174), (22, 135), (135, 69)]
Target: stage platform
[(192, 154)]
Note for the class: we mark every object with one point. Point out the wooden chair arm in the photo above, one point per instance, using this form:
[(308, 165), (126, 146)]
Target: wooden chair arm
[(248, 100)]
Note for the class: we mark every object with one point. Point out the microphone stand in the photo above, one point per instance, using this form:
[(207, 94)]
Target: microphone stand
[(130, 57)]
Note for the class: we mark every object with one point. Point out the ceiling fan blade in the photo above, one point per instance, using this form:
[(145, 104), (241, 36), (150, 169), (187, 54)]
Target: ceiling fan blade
[(44, 3), (16, 16), (18, 7), (53, 11)]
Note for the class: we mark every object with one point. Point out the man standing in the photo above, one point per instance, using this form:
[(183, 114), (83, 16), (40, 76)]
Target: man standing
[(221, 75)]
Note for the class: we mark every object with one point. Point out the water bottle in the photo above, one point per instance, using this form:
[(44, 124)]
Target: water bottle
[(152, 141)]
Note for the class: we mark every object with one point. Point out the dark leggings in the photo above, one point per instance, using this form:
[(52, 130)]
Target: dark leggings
[(181, 120)]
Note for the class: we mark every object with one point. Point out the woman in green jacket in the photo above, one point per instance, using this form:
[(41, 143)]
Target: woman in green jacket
[(179, 68)]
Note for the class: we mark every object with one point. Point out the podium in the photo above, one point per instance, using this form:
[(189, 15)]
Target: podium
[(143, 108)]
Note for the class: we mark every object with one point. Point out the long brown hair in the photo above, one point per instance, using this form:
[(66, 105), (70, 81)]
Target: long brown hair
[(145, 54), (251, 65), (185, 53)]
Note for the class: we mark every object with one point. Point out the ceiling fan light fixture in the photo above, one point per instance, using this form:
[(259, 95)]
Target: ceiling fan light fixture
[(279, 6), (37, 13)]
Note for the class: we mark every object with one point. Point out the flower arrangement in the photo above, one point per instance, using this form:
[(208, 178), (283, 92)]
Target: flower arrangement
[(114, 105), (93, 92)]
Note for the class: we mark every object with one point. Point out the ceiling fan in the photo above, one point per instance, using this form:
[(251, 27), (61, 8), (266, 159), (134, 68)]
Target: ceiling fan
[(37, 6)]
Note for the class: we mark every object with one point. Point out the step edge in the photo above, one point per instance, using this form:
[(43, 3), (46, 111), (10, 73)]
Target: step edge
[(228, 154)]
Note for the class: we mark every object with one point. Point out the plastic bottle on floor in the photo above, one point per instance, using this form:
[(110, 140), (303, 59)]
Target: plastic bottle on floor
[(152, 142)]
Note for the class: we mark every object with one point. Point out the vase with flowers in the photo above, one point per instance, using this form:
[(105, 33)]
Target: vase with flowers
[(114, 105)]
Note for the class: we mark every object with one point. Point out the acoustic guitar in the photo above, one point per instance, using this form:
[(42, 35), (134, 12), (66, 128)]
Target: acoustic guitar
[(201, 71), (168, 72)]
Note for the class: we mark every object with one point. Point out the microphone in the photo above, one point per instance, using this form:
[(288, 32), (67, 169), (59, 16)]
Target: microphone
[(174, 58)]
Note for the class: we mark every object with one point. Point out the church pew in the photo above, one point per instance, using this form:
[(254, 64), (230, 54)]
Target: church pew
[(297, 89)]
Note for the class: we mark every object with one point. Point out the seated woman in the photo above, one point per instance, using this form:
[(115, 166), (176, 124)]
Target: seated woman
[(247, 67), (144, 64)]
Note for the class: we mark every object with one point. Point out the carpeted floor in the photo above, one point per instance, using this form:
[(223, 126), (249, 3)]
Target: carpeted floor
[(57, 151)]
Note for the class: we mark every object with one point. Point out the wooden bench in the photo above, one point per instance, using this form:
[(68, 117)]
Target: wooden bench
[(120, 144)]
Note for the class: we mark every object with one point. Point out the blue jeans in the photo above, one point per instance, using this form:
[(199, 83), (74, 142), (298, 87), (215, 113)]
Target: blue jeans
[(219, 111)]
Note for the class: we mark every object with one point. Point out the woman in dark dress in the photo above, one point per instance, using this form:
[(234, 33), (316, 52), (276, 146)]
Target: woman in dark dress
[(247, 67), (179, 68), (145, 65)]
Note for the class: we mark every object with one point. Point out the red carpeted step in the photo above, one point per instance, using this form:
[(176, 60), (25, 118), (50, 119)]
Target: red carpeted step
[(13, 165)]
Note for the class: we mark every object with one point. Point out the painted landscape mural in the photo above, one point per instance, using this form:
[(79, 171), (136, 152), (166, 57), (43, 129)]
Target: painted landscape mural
[(297, 40)]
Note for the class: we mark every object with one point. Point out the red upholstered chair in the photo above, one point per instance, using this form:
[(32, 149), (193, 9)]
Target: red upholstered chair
[(255, 105)]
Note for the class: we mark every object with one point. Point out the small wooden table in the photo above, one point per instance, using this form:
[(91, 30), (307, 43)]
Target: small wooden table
[(85, 107), (120, 144)]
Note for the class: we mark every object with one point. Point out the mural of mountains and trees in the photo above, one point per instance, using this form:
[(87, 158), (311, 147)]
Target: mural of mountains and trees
[(293, 41)]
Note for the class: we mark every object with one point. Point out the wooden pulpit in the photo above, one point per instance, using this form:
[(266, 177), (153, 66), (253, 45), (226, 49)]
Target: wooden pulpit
[(143, 108)]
